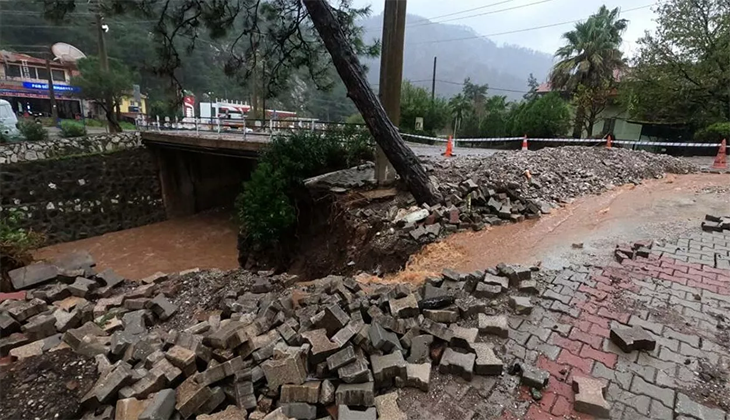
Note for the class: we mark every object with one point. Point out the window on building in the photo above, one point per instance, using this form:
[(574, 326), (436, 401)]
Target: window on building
[(42, 73), (32, 73), (58, 75), (12, 70)]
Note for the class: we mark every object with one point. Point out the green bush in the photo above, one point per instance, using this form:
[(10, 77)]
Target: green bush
[(90, 122), (72, 129), (15, 245), (32, 131), (713, 133), (127, 126), (265, 208)]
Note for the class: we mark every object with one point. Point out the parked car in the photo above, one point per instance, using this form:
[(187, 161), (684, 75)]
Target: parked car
[(8, 120)]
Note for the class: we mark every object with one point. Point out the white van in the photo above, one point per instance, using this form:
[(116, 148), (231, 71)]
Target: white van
[(8, 120)]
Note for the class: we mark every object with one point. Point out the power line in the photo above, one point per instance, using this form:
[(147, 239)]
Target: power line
[(469, 10), (462, 84), (485, 13), (521, 30)]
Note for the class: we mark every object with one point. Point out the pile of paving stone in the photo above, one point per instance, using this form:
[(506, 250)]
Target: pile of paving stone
[(716, 223), (558, 174), (328, 349)]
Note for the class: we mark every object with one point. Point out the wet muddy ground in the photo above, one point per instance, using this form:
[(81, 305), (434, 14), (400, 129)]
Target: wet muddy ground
[(206, 240), (585, 229)]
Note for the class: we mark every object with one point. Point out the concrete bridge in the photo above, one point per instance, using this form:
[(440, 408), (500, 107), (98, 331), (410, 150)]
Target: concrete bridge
[(201, 171)]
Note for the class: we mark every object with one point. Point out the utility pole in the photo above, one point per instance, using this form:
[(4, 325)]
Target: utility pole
[(433, 81), (51, 93), (104, 65), (391, 75)]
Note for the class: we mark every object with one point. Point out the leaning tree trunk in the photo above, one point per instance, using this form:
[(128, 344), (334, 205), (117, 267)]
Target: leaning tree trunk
[(385, 133)]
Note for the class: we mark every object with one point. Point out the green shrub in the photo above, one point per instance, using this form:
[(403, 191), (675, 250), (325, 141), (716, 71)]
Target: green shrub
[(32, 131), (713, 133), (15, 245), (90, 122), (265, 208), (72, 129), (127, 126)]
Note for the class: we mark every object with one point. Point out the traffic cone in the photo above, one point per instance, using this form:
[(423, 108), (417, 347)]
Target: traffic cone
[(721, 158), (524, 142), (449, 148), (608, 142)]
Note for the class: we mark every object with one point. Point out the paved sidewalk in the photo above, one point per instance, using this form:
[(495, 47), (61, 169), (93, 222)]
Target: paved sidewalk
[(679, 293)]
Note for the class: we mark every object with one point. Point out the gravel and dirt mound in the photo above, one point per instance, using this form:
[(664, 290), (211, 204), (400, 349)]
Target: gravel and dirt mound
[(49, 386), (560, 173)]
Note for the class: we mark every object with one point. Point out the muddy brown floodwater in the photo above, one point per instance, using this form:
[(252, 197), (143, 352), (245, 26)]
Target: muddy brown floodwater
[(584, 230), (206, 240)]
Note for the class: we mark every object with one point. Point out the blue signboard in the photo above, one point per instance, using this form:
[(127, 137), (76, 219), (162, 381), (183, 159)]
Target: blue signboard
[(44, 86)]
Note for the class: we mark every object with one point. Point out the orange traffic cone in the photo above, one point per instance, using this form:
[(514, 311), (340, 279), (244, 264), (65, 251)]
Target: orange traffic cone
[(721, 158), (524, 142), (608, 142), (449, 148)]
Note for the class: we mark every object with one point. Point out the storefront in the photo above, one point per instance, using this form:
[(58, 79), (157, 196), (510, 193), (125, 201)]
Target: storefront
[(31, 98)]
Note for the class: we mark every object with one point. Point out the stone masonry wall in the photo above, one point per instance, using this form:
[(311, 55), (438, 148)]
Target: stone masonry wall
[(81, 195), (59, 147)]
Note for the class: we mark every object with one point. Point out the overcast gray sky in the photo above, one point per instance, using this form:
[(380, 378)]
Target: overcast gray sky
[(526, 14)]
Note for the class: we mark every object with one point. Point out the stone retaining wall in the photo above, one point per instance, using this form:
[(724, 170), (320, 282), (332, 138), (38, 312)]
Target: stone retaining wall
[(80, 192), (59, 147)]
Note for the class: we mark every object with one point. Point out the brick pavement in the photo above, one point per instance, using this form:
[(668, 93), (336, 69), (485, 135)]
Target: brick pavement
[(679, 293)]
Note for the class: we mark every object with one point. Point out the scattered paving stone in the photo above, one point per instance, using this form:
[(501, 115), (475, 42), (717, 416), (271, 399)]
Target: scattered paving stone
[(307, 392), (162, 307), (486, 363), (341, 358), (326, 393), (82, 287), (405, 307), (634, 338), (8, 324), (488, 291), (29, 350), (355, 372), (322, 346), (302, 411), (528, 286), (463, 338), (382, 339), (230, 413), (387, 367), (521, 305), (494, 325), (32, 275), (420, 348), (129, 408), (418, 375), (533, 377), (355, 394), (590, 396), (461, 364), (345, 413), (288, 370), (444, 316), (436, 329)]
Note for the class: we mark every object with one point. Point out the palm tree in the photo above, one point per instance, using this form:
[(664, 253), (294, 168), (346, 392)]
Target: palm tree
[(590, 56), (459, 106)]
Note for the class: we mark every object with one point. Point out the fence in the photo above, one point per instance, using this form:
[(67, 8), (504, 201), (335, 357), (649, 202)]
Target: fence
[(505, 140)]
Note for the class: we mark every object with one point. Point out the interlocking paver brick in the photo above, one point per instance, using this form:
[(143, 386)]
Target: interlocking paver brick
[(581, 363), (591, 340), (589, 396), (664, 395), (608, 359), (686, 407)]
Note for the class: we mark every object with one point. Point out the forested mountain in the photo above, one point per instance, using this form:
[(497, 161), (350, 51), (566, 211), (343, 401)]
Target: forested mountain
[(482, 60), (23, 29)]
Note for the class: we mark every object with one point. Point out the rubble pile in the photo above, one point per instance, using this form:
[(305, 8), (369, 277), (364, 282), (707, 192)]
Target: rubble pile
[(557, 174), (510, 187), (331, 348)]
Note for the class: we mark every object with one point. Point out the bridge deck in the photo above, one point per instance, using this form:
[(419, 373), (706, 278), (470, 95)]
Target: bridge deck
[(211, 143)]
